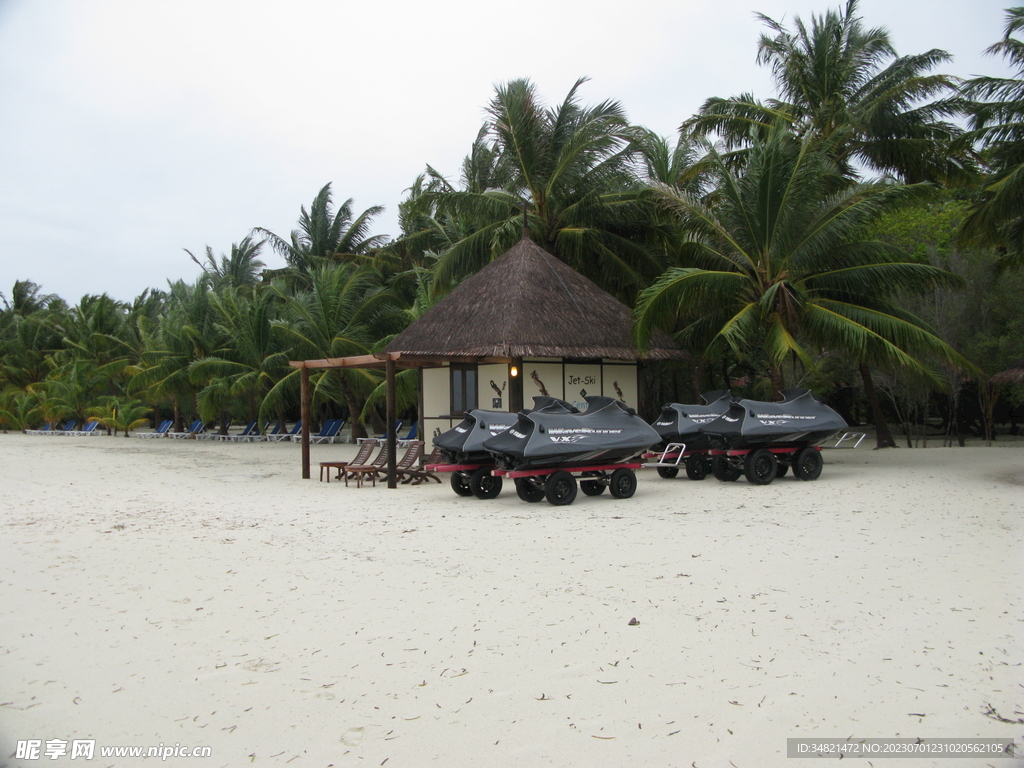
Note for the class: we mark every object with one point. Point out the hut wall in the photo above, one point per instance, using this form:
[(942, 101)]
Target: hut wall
[(580, 380), (620, 382), (492, 387), (537, 374), (436, 401)]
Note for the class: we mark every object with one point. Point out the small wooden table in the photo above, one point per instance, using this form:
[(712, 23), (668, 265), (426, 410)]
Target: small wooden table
[(329, 465)]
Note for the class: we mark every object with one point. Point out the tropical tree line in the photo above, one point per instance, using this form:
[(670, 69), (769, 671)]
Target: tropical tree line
[(859, 231)]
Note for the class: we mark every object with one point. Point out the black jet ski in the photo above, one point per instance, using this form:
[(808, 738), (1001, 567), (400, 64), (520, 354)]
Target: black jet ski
[(463, 443), (679, 423), (607, 432), (799, 419)]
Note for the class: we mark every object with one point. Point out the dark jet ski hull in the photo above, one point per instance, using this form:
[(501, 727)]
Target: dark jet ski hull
[(679, 423), (607, 432), (463, 443), (799, 420)]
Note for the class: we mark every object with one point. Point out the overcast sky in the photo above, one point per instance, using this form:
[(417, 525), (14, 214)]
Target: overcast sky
[(134, 129)]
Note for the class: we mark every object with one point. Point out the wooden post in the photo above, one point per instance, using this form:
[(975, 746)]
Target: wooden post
[(304, 415), (392, 437), (423, 424)]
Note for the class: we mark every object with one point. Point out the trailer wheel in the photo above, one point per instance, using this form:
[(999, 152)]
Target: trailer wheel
[(592, 487), (528, 490), (808, 464), (760, 466), (723, 469), (483, 484), (781, 469), (460, 484), (560, 488), (623, 483), (668, 472), (696, 467)]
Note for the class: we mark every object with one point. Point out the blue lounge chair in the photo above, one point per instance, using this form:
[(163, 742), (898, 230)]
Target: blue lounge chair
[(250, 431), (88, 429), (41, 431), (403, 442), (160, 431), (328, 432), (69, 426), (398, 428), (195, 428), (269, 434), (279, 436)]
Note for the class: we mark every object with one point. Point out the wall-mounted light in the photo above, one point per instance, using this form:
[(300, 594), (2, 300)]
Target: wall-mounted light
[(513, 371)]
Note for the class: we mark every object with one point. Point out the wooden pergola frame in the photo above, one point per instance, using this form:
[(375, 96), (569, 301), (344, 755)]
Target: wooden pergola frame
[(389, 362)]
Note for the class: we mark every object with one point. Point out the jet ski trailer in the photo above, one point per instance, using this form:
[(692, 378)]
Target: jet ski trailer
[(682, 443), (462, 450), (764, 440), (544, 452)]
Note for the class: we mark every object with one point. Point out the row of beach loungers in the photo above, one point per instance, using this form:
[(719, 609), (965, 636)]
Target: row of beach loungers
[(330, 432), (67, 430)]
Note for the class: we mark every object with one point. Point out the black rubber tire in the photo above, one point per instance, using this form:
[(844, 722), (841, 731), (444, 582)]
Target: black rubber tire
[(808, 463), (528, 490), (760, 466), (697, 467), (781, 469), (560, 488), (460, 484), (723, 469), (592, 487), (668, 472), (623, 483), (484, 484)]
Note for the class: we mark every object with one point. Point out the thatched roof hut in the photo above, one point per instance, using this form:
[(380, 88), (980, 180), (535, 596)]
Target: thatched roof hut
[(526, 324), (527, 303), (1012, 375)]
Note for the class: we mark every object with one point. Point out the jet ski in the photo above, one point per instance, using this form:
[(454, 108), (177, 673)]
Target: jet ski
[(680, 423), (463, 443), (607, 432), (800, 419)]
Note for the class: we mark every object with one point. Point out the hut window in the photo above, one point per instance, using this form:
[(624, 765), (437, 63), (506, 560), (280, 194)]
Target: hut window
[(463, 389)]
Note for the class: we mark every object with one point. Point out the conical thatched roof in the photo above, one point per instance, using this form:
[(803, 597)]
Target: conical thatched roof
[(1012, 375), (528, 304)]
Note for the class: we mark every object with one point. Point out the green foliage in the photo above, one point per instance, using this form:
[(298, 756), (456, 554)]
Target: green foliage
[(786, 267), (996, 107)]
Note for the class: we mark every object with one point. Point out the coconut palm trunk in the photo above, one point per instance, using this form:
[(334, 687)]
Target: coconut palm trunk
[(884, 438)]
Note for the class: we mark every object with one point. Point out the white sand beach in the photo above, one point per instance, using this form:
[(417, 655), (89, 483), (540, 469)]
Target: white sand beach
[(203, 594)]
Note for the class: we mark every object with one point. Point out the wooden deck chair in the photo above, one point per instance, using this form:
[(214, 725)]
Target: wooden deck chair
[(417, 473), (365, 449), (358, 472)]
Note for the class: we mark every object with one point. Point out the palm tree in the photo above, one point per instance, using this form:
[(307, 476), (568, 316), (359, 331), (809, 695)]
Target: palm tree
[(254, 360), (186, 332), (120, 413), (345, 312), (997, 122), (846, 85), (562, 173), (325, 235), (784, 267), (239, 269)]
